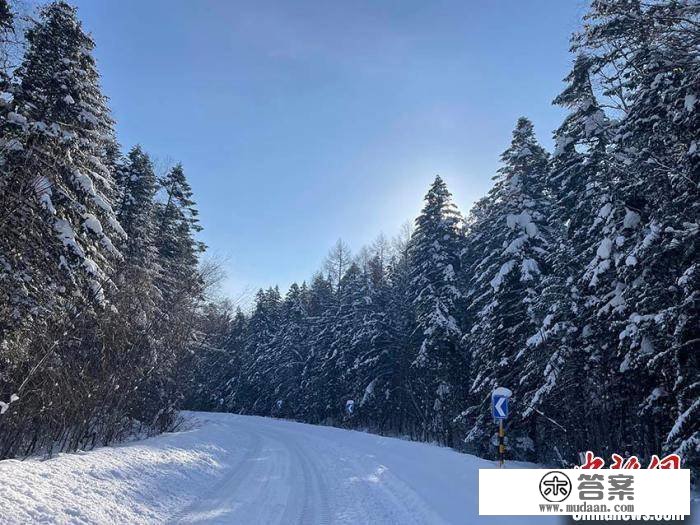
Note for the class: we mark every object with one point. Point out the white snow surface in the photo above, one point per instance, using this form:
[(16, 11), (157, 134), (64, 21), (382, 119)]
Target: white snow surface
[(250, 470), (502, 391)]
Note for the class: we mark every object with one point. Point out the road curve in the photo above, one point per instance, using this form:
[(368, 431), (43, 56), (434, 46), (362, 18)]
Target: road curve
[(286, 473)]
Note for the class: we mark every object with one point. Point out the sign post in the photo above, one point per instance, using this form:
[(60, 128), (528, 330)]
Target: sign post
[(501, 444), (499, 411)]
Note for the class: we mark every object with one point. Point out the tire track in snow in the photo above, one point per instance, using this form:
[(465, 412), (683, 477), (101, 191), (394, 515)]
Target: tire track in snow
[(315, 509), (293, 476), (308, 498), (239, 472)]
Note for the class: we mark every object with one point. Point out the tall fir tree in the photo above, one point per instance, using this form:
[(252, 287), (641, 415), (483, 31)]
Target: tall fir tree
[(387, 401), (509, 243), (650, 299), (440, 361), (567, 338), (322, 304), (59, 129), (136, 190), (290, 352), (177, 223)]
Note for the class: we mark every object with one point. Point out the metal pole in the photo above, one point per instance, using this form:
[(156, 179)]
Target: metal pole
[(501, 444)]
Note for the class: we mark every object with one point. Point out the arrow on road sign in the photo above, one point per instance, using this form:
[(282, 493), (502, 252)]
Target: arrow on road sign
[(500, 407)]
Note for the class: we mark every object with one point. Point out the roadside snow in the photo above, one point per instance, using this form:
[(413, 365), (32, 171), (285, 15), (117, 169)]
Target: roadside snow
[(247, 470)]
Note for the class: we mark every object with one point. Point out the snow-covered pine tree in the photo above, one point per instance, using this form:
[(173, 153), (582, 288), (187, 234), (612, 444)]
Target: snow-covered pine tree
[(577, 163), (659, 137), (653, 303), (290, 352), (322, 307), (335, 336), (180, 286), (177, 224), (440, 363), (57, 127), (348, 340), (579, 187), (135, 206), (382, 373), (223, 390), (7, 21), (131, 325), (365, 374), (509, 242), (255, 393)]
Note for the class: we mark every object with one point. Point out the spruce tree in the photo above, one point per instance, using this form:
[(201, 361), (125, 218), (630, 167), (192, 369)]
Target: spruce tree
[(347, 341), (137, 301), (7, 34), (567, 340), (509, 242), (59, 130), (440, 361), (322, 304), (384, 388), (650, 301), (255, 393), (177, 223), (290, 352), (136, 190)]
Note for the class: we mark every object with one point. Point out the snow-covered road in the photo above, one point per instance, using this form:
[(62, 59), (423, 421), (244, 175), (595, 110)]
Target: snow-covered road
[(249, 470)]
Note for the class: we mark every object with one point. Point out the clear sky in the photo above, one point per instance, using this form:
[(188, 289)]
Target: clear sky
[(302, 121)]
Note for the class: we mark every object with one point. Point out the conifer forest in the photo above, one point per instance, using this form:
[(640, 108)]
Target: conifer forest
[(574, 282)]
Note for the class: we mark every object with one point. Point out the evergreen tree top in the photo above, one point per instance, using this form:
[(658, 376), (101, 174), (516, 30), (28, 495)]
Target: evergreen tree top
[(587, 122), (524, 147), (525, 161), (438, 208), (177, 186), (59, 77), (578, 81), (267, 300), (295, 301), (136, 151), (140, 166)]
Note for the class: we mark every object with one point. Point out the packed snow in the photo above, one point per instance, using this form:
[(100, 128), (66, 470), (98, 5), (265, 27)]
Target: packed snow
[(225, 468)]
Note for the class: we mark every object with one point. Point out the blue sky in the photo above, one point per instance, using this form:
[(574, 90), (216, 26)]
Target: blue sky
[(302, 121)]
